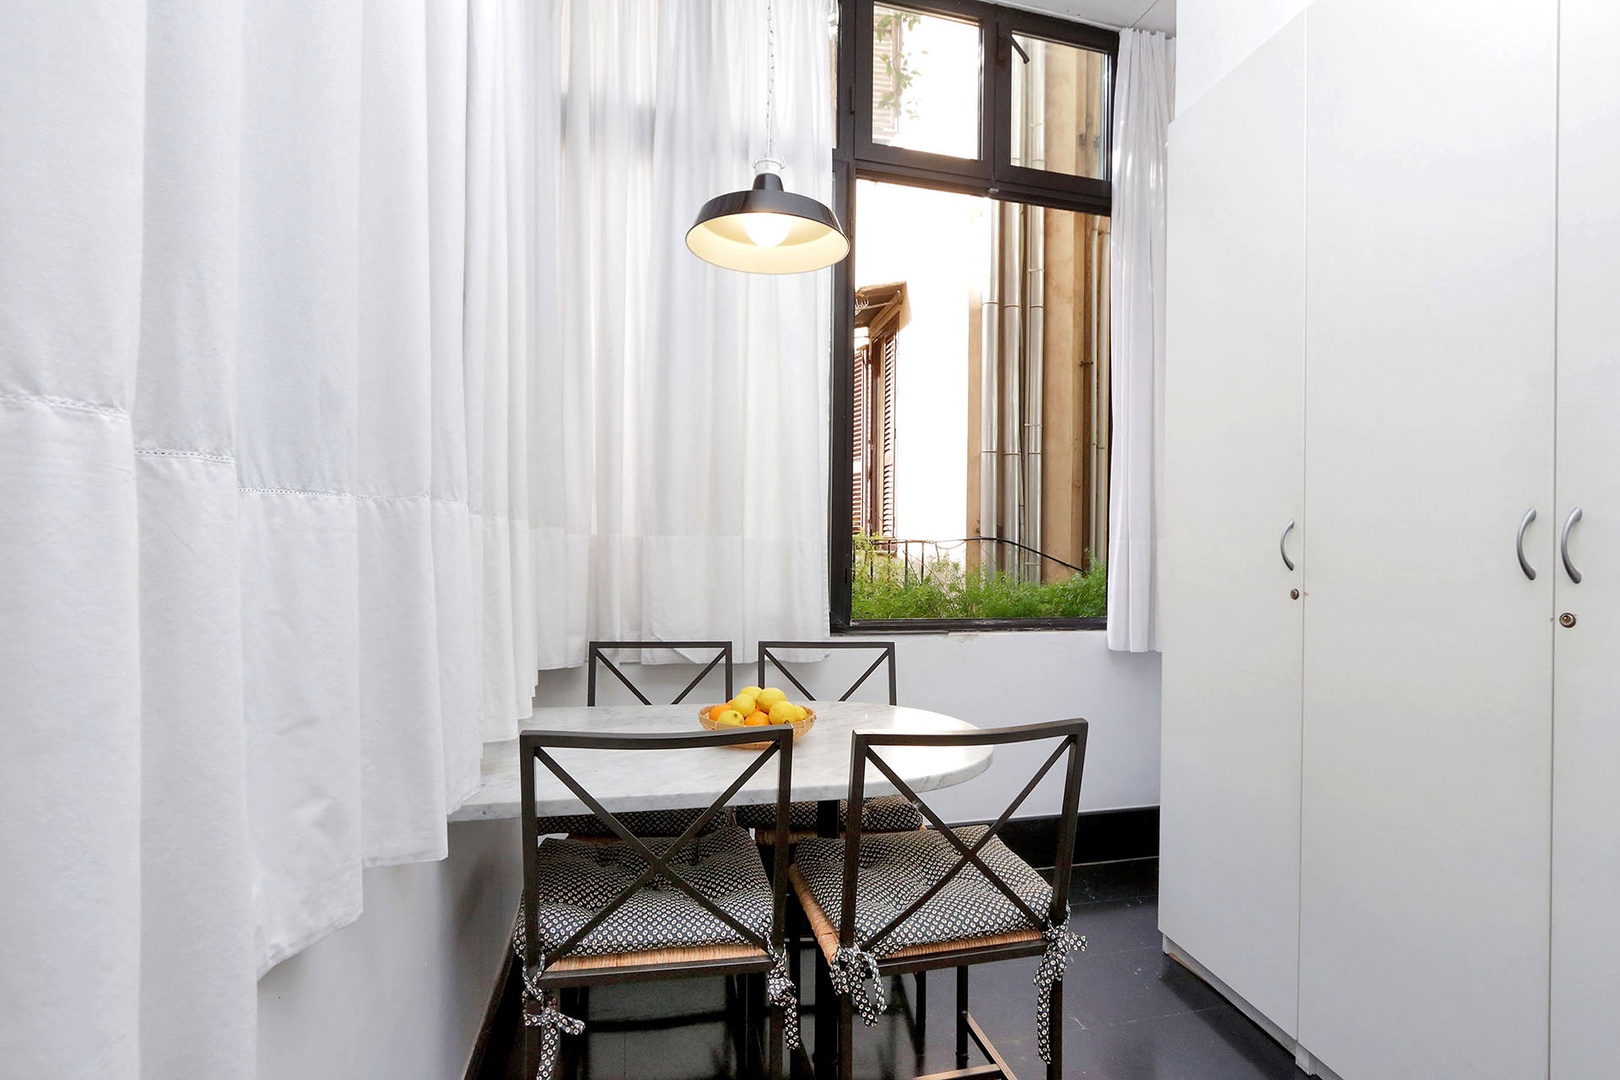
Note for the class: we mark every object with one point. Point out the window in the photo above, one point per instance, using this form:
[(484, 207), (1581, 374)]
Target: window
[(971, 389)]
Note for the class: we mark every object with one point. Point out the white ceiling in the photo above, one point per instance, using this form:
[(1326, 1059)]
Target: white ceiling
[(1142, 14)]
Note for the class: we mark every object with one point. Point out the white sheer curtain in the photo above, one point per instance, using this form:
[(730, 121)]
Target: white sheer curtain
[(351, 368), (708, 417), (675, 413), (243, 653), (1136, 312)]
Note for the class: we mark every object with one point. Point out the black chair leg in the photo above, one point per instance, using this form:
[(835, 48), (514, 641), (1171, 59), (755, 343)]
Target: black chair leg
[(775, 1032), (919, 1033), (1054, 1070), (531, 1050), (826, 1012), (750, 994), (580, 1006), (846, 1039), (961, 1017)]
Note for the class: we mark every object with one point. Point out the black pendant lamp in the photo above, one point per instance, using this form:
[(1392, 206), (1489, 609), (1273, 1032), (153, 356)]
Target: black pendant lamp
[(767, 229)]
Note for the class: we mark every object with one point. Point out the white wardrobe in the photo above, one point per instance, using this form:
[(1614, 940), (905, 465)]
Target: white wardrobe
[(1391, 745)]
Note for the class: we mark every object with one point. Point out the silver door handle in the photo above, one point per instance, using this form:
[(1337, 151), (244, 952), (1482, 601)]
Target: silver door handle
[(1282, 544), (1563, 545), (1524, 523)]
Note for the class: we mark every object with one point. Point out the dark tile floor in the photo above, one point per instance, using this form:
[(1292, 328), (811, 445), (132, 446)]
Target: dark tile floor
[(1132, 1013)]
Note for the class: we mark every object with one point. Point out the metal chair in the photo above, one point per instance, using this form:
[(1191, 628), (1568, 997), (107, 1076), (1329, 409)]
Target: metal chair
[(600, 649), (883, 814), (941, 898), (886, 813), (598, 912), (650, 822), (885, 649)]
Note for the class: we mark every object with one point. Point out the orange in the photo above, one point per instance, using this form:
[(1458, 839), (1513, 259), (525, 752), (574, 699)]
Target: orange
[(756, 719)]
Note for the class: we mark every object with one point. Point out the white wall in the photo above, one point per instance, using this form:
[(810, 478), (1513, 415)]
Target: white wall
[(401, 992), (1214, 36), (993, 680)]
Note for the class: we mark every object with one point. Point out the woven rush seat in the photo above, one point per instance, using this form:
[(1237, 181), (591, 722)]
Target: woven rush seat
[(896, 869), (641, 822), (888, 813), (576, 879)]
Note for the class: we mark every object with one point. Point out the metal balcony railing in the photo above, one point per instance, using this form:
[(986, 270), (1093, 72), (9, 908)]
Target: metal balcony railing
[(919, 559)]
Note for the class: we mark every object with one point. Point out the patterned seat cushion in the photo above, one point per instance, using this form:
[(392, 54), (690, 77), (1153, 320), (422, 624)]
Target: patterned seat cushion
[(641, 822), (577, 879), (897, 868), (889, 813)]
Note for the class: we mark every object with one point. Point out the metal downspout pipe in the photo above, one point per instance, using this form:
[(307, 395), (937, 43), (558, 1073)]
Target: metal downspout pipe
[(1012, 363), (990, 395), (1035, 335)]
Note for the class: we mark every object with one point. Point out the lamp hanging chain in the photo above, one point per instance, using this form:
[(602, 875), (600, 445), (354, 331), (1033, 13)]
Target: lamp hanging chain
[(770, 88), (770, 79)]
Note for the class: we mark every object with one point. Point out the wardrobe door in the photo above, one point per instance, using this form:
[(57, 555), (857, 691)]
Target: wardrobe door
[(1586, 694), (1426, 830), (1234, 444)]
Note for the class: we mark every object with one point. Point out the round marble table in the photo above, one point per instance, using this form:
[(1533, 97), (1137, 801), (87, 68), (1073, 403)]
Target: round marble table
[(667, 779)]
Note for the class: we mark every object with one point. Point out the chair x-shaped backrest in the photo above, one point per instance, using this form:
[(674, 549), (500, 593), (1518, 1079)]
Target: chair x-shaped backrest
[(885, 650), (598, 655), (534, 746), (1071, 736)]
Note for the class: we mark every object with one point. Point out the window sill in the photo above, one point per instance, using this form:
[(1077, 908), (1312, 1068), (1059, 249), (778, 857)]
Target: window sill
[(945, 626)]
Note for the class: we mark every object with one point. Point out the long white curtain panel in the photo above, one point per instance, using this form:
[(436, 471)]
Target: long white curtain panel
[(352, 367), (241, 639), (675, 413), (707, 419), (1136, 314)]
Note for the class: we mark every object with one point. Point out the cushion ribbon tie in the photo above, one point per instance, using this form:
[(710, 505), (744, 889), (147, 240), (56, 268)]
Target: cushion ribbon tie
[(548, 1017), (551, 1020), (784, 995), (1060, 942), (850, 970)]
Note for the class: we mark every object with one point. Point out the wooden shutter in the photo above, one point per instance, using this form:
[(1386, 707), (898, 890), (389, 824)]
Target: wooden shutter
[(862, 478), (886, 511)]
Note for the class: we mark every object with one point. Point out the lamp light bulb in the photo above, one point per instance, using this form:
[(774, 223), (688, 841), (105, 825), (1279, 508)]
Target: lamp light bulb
[(766, 230)]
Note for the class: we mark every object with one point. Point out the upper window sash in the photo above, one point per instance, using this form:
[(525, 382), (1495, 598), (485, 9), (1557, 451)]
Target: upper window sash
[(991, 172)]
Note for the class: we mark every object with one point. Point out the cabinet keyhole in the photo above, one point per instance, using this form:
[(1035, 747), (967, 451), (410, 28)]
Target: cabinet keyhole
[(1566, 620)]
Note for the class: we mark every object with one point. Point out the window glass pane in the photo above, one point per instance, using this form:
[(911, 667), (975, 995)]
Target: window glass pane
[(980, 482), (925, 82), (1059, 108)]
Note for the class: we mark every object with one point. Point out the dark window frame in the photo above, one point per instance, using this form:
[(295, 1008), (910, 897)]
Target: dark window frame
[(857, 157)]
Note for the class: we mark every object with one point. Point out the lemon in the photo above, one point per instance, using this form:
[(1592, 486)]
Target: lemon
[(750, 691), (744, 703), (802, 711), (783, 712), (768, 697), (727, 718)]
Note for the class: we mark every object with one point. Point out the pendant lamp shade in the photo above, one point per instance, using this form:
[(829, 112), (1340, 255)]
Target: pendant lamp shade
[(767, 230)]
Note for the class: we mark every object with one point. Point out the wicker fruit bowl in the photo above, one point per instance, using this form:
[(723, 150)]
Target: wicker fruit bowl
[(799, 727)]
